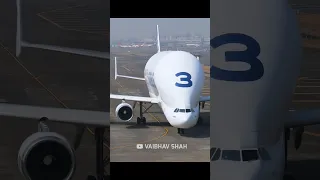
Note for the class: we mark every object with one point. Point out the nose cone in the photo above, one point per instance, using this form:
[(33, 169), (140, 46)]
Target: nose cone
[(183, 120)]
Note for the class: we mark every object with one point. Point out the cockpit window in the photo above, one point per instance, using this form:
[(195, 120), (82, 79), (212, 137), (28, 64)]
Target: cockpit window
[(249, 155), (183, 110), (212, 151), (216, 155), (264, 154), (231, 155)]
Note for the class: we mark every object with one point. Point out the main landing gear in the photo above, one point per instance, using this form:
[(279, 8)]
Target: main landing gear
[(287, 176), (141, 119), (100, 164)]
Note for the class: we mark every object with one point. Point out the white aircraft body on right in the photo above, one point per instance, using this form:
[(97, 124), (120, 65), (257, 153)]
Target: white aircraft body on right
[(256, 57)]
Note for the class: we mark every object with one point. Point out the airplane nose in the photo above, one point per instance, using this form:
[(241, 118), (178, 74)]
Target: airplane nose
[(184, 120)]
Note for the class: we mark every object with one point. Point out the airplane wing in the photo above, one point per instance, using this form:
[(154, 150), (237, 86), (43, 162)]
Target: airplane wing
[(299, 118), (134, 98), (84, 52), (94, 118), (204, 98)]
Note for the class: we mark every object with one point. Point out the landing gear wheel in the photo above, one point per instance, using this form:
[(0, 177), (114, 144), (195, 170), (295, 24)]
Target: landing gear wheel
[(143, 120), (180, 131)]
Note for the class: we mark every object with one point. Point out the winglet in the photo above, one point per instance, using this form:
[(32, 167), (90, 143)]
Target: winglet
[(158, 39), (116, 75), (19, 29), (115, 68)]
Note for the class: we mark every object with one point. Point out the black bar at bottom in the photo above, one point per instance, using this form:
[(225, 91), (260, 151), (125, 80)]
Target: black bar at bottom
[(146, 170), (99, 133)]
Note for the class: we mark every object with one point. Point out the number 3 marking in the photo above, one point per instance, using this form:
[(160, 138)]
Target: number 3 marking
[(186, 79), (248, 56)]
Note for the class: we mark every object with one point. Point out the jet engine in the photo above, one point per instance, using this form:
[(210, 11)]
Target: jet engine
[(124, 111), (46, 155)]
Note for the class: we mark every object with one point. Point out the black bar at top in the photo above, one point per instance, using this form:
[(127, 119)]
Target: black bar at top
[(159, 9)]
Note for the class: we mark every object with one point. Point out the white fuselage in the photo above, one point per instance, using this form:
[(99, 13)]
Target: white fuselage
[(176, 78)]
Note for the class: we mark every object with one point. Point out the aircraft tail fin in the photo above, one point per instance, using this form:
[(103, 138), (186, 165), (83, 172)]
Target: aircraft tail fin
[(158, 39)]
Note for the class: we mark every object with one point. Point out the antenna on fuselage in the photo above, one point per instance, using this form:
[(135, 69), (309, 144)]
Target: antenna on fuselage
[(158, 38)]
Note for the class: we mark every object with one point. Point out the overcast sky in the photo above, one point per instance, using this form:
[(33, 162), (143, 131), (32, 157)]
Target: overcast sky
[(122, 28)]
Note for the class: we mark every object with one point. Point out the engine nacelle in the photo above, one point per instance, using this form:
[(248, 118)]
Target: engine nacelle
[(46, 155), (124, 111)]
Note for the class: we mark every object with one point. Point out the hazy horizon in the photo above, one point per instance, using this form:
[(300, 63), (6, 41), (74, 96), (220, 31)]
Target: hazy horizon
[(123, 28)]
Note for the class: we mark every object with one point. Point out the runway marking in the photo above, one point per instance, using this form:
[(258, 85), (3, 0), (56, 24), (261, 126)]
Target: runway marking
[(50, 21), (126, 68), (312, 134), (143, 142), (307, 93), (308, 101), (300, 78), (65, 28), (119, 84), (44, 86)]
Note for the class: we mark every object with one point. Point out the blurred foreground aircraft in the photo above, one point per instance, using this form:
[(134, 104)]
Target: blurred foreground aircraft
[(45, 154), (256, 58)]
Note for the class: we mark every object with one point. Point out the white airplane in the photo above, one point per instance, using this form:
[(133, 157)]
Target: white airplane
[(48, 141), (255, 64), (175, 80)]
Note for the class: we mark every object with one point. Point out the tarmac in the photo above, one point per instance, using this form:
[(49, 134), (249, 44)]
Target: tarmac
[(304, 162), (125, 135), (53, 79)]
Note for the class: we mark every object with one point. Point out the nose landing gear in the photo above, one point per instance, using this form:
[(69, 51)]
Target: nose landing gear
[(180, 131)]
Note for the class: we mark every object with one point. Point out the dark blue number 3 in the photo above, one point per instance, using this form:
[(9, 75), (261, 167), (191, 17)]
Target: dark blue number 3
[(186, 79), (248, 56)]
